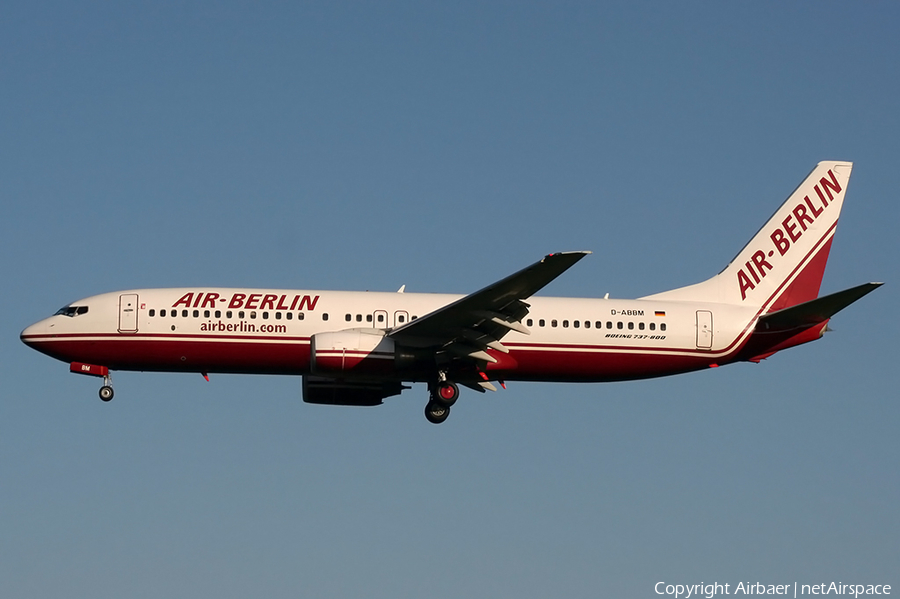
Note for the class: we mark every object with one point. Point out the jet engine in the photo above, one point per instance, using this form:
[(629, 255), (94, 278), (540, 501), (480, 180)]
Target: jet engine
[(360, 352)]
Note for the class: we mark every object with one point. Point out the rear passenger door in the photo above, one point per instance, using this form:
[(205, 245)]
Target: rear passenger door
[(704, 329)]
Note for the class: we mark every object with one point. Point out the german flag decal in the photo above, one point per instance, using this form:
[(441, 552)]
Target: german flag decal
[(660, 313)]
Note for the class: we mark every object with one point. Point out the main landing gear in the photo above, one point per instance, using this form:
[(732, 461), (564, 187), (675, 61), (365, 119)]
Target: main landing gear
[(442, 396)]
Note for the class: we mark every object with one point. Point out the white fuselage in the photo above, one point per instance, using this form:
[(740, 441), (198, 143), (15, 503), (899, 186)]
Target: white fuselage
[(269, 331)]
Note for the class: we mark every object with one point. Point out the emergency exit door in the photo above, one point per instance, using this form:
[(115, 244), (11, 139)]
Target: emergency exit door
[(128, 313)]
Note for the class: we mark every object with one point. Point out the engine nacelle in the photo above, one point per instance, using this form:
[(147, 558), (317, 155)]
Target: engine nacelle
[(353, 351)]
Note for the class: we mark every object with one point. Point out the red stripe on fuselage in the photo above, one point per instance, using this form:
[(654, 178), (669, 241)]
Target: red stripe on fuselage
[(548, 362), (180, 353)]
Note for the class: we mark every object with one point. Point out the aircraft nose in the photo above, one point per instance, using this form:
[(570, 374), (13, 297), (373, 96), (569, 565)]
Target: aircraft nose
[(30, 334)]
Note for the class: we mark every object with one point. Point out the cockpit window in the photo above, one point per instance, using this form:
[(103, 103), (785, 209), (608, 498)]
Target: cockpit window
[(72, 311)]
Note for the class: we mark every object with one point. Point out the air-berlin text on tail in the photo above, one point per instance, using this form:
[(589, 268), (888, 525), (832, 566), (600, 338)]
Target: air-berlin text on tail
[(792, 228), (247, 301)]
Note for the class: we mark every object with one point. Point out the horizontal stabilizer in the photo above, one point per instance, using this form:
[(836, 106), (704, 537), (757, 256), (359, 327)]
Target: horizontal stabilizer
[(814, 311)]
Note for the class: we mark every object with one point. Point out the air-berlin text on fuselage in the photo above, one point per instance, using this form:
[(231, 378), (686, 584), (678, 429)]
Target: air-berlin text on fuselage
[(248, 301), (792, 228)]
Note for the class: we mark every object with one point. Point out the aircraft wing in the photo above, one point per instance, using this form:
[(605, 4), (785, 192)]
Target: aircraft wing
[(477, 322)]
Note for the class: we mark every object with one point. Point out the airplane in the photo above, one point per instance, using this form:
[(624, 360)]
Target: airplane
[(359, 348)]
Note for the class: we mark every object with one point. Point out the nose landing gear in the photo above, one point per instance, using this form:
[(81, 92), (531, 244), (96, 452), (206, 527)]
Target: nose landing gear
[(106, 391)]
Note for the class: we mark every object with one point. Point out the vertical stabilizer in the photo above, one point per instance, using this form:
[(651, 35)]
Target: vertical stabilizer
[(783, 264)]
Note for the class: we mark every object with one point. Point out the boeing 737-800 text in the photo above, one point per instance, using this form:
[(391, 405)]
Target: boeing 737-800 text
[(358, 348)]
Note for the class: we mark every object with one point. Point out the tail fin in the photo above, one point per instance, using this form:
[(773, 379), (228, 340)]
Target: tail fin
[(783, 264)]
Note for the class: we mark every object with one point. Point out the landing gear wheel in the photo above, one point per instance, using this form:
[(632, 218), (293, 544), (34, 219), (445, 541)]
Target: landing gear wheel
[(446, 393), (436, 413), (106, 393)]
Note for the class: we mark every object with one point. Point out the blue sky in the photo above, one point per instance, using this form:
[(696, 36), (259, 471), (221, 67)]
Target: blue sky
[(441, 146)]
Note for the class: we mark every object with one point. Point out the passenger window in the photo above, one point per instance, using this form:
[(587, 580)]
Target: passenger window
[(152, 312), (652, 326), (576, 324), (241, 314), (289, 315), (162, 312), (553, 323), (218, 314), (529, 323), (381, 318), (662, 326), (278, 316), (541, 322), (619, 325), (325, 316), (630, 326), (348, 318), (184, 313), (414, 317), (599, 324), (359, 318), (206, 314), (368, 318), (565, 324), (587, 324), (265, 316), (196, 313), (228, 314), (401, 319), (608, 324), (641, 326), (253, 314), (299, 315)]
